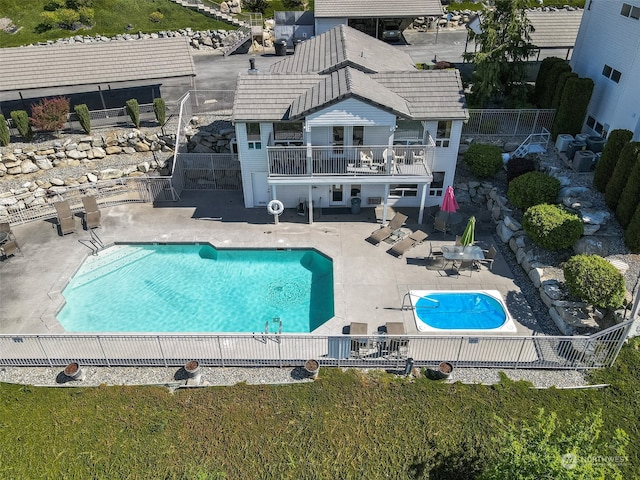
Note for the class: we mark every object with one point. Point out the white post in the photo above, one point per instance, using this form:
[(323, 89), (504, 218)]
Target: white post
[(422, 200), (310, 197), (274, 197), (384, 204)]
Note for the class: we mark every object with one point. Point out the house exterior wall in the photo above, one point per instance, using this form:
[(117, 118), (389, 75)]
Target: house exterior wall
[(324, 24), (253, 160), (608, 38), (351, 112)]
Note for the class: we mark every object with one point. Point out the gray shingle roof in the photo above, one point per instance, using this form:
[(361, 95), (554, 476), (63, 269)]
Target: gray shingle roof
[(376, 8), (555, 29), (418, 95), (342, 46), (92, 63)]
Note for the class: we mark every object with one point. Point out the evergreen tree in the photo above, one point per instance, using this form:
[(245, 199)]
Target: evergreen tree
[(610, 154)]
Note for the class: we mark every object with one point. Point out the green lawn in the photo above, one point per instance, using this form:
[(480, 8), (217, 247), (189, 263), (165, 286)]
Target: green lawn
[(111, 17), (346, 425)]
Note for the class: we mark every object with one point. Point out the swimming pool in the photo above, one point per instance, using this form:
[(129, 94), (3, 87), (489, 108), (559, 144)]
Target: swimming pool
[(198, 288), (461, 311)]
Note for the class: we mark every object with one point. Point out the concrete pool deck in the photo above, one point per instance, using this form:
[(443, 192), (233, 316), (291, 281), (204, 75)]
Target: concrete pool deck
[(370, 283)]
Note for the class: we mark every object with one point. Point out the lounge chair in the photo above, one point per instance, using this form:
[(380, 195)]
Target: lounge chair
[(385, 232), (91, 212), (66, 222), (396, 346), (408, 243), (359, 346), (10, 248)]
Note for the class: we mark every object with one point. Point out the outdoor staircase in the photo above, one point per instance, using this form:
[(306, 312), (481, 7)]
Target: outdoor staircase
[(210, 10), (534, 143)]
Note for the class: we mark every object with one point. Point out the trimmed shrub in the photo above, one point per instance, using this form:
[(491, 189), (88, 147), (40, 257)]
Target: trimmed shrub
[(630, 196), (21, 122), (160, 109), (86, 15), (520, 166), (484, 160), (84, 117), (610, 154), (156, 17), (632, 234), (543, 76), (628, 158), (550, 86), (293, 4), (573, 106), (594, 280), (562, 80), (4, 132), (255, 5), (533, 188), (66, 17), (133, 109), (552, 227), (50, 114)]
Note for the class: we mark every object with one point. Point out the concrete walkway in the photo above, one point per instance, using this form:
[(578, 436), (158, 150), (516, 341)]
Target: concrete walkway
[(370, 283)]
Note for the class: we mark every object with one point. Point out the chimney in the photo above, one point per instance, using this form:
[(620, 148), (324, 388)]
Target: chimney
[(252, 66)]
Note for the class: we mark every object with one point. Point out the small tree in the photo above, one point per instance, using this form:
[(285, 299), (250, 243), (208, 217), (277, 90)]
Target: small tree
[(560, 84), (4, 132), (592, 279), (133, 109), (50, 114), (543, 77), (630, 196), (160, 109), (610, 154), (21, 121), (542, 450), (259, 6), (628, 158), (573, 106), (84, 117), (504, 46), (546, 96), (293, 4), (632, 234)]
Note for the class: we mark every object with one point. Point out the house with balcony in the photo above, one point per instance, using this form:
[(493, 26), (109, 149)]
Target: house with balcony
[(607, 50), (348, 116)]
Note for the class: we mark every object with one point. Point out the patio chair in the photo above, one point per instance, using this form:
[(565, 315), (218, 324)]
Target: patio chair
[(407, 243), (466, 265), (458, 241), (10, 248), (5, 231), (385, 232), (91, 212), (66, 222), (440, 225), (489, 257), (366, 158)]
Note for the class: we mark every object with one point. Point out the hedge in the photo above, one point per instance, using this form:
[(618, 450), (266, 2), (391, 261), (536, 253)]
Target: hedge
[(520, 166), (594, 280), (533, 188), (543, 77), (573, 106), (84, 117), (133, 109), (4, 132), (632, 234), (630, 196), (562, 81), (552, 227), (610, 154), (21, 121), (484, 160), (628, 158), (557, 69)]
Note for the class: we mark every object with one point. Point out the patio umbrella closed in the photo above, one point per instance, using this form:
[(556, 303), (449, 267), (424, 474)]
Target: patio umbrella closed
[(469, 231), (449, 203)]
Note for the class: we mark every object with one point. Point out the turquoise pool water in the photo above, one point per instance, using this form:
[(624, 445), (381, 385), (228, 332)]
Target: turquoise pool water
[(461, 310), (198, 288)]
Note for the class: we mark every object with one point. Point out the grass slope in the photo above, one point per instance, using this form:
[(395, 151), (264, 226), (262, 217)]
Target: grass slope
[(346, 425), (110, 16)]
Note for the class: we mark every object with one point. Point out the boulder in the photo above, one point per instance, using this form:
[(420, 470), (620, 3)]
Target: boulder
[(27, 166), (109, 173), (113, 149)]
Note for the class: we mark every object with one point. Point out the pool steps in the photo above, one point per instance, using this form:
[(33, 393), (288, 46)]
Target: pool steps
[(108, 261)]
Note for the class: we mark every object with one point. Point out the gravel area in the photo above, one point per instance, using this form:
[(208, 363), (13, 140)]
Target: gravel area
[(173, 377)]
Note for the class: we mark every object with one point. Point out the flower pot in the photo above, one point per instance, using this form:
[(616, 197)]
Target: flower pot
[(443, 371), (192, 367), (73, 371), (312, 367)]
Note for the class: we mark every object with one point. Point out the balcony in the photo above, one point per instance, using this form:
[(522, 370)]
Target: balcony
[(351, 161)]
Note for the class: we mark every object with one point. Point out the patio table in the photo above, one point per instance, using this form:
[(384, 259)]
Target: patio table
[(459, 253)]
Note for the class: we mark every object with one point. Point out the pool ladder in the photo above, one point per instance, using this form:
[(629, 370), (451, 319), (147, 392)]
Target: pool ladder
[(94, 243), (263, 337), (411, 307)]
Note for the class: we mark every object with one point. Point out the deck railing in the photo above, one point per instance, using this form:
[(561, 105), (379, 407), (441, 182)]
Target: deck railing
[(371, 160), (505, 122), (259, 349)]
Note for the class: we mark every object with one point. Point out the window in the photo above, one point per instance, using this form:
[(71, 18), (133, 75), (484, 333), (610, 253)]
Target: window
[(288, 131), (630, 11), (358, 135), (253, 136), (611, 73), (437, 185), (594, 125), (443, 134), (403, 190)]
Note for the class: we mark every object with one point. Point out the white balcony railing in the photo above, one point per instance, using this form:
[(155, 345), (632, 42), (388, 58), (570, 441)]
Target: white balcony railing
[(368, 160)]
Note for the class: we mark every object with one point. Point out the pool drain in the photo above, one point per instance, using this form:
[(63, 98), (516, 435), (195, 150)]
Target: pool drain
[(284, 293)]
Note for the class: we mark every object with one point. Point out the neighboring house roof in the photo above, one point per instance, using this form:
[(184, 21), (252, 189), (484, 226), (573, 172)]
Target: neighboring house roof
[(342, 46), (555, 29), (377, 8), (417, 95), (347, 82), (94, 63)]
